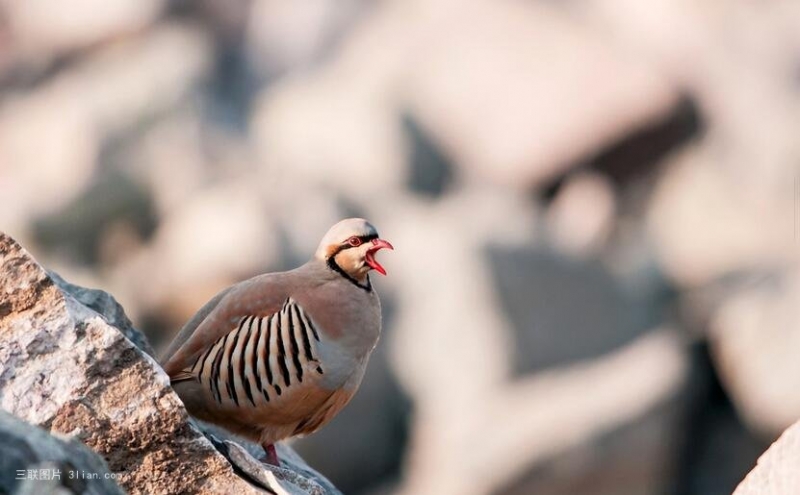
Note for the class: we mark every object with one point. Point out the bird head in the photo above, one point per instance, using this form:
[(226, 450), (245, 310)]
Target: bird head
[(350, 246)]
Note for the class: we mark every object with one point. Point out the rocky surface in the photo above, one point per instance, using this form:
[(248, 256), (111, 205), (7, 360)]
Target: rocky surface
[(33, 461), (755, 340), (776, 472), (72, 364)]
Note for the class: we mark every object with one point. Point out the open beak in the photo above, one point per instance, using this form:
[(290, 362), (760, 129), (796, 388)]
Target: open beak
[(377, 245)]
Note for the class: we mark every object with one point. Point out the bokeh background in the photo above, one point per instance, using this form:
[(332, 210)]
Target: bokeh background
[(595, 206)]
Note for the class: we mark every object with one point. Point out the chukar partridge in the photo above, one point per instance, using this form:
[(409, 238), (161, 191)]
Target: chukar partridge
[(281, 354)]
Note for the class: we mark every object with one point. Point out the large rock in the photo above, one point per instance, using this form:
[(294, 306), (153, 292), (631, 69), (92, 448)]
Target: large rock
[(69, 362), (478, 426), (776, 472), (42, 30), (502, 87), (52, 138), (755, 335), (707, 220), (34, 461)]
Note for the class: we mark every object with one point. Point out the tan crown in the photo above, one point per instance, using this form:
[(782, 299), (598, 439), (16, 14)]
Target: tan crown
[(340, 232)]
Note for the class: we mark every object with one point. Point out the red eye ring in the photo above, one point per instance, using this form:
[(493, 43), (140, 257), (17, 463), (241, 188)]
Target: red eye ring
[(354, 241)]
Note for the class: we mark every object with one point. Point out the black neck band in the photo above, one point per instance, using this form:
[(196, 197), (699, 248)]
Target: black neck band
[(338, 269)]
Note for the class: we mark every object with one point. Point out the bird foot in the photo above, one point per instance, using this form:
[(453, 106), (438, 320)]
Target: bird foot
[(271, 455)]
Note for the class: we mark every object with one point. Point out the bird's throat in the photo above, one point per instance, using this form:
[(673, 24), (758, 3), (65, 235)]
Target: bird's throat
[(365, 284)]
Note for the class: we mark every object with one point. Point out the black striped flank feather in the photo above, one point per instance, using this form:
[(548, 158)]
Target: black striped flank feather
[(258, 354)]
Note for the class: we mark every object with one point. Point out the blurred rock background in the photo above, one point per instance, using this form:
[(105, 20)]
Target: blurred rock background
[(595, 207)]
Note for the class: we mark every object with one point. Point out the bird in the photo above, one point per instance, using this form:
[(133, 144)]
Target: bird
[(280, 354)]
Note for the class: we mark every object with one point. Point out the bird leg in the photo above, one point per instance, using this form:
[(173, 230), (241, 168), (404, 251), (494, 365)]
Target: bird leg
[(271, 456)]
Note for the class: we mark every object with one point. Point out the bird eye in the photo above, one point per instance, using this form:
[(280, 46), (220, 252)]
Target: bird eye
[(354, 241)]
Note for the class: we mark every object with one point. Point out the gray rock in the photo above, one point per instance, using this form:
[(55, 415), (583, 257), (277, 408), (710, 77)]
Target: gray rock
[(298, 477), (72, 363), (27, 451), (776, 472), (754, 337), (106, 306)]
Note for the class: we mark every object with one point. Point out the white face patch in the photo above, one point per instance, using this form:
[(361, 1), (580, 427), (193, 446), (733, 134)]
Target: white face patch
[(353, 261)]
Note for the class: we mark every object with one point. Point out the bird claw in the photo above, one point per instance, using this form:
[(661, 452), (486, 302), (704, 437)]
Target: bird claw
[(271, 456)]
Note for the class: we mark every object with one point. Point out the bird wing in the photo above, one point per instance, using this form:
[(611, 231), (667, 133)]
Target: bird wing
[(254, 343), (260, 296), (190, 326), (260, 358)]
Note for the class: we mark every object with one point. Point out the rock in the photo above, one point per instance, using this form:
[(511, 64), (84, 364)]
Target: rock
[(497, 86), (328, 130), (108, 307), (191, 247), (83, 229), (727, 236), (502, 87), (284, 36), (748, 96), (477, 427), (87, 104), (706, 221), (581, 216), (755, 337), (69, 362), (776, 472), (57, 464), (42, 29)]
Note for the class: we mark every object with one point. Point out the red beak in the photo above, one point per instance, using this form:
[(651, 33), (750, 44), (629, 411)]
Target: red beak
[(377, 245)]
